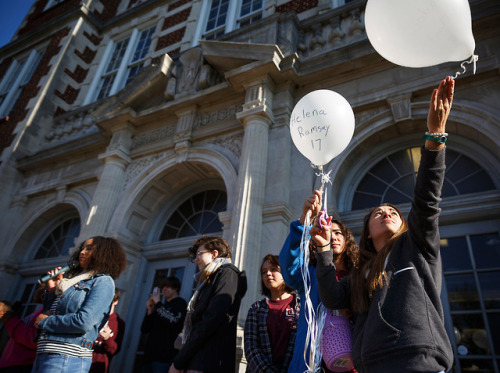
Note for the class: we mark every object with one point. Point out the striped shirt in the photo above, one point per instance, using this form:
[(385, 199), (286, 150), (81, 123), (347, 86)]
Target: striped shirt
[(47, 346)]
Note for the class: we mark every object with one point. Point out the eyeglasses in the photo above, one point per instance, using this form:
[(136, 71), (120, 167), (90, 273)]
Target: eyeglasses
[(198, 253)]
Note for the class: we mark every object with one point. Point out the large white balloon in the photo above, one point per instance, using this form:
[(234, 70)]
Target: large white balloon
[(419, 33), (322, 125)]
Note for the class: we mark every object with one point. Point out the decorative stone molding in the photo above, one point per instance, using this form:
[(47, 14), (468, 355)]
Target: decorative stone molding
[(331, 30), (232, 144), (212, 117), (71, 126), (157, 134), (138, 166), (191, 74), (184, 129), (19, 201), (401, 107), (258, 100)]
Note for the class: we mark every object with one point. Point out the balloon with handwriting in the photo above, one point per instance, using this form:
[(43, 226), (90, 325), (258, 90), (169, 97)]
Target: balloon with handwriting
[(420, 33), (322, 125)]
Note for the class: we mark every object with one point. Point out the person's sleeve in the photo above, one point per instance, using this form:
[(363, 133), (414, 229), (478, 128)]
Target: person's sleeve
[(21, 333), (223, 295), (290, 258), (423, 219), (334, 294), (112, 344), (95, 306), (256, 360)]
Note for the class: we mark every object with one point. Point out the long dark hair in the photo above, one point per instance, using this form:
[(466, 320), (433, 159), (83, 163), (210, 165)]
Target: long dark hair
[(107, 257), (370, 273), (350, 254), (275, 262)]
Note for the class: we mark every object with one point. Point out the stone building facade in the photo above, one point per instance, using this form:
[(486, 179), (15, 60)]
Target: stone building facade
[(157, 121)]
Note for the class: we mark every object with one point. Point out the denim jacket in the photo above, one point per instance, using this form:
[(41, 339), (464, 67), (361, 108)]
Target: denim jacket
[(82, 310)]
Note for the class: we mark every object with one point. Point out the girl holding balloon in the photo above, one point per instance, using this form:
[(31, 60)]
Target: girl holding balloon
[(394, 291), (344, 255)]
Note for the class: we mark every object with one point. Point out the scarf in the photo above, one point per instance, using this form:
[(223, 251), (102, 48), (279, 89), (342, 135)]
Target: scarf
[(202, 278), (66, 283)]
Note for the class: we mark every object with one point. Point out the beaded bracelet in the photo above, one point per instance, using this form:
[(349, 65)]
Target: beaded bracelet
[(437, 137), (437, 134)]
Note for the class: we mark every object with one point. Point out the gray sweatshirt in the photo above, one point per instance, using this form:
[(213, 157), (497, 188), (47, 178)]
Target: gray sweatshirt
[(403, 331)]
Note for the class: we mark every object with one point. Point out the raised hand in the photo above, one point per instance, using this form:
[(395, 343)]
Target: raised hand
[(439, 110), (312, 204)]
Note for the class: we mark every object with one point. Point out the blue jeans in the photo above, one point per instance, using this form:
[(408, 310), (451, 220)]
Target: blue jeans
[(55, 363), (156, 367)]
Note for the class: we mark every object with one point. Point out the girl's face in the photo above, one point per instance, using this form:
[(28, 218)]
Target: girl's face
[(86, 253), (204, 257), (337, 240), (271, 276), (384, 222)]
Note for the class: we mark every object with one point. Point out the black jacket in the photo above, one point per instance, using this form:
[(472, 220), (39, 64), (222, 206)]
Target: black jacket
[(403, 331), (211, 345), (163, 326)]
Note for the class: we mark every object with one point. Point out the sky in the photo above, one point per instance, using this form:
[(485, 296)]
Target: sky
[(12, 13)]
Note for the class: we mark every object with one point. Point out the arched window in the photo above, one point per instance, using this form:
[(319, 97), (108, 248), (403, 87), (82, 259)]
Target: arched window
[(196, 216), (58, 242), (393, 178)]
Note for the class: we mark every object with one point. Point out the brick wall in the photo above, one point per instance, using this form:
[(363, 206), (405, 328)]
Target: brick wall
[(31, 89), (39, 17)]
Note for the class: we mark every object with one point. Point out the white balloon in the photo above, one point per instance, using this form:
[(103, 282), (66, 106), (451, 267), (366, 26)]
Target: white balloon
[(322, 125), (420, 33)]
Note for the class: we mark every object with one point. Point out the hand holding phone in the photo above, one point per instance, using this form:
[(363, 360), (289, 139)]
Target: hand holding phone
[(156, 294)]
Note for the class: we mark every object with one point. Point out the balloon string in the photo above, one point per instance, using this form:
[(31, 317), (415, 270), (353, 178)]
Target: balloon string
[(314, 321), (472, 60)]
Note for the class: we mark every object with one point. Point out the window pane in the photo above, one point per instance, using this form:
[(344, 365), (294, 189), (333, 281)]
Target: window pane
[(198, 215), (143, 44), (470, 335), (462, 292), (58, 242), (133, 72), (477, 365), (489, 283), (106, 84), (494, 323), (454, 254), (217, 15), (117, 56), (471, 178), (12, 78), (486, 249)]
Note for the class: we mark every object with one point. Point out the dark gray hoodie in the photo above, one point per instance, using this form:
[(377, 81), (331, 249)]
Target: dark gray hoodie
[(403, 331)]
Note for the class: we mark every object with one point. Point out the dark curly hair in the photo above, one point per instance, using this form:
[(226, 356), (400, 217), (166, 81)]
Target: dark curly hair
[(107, 257), (274, 260), (350, 255), (211, 243)]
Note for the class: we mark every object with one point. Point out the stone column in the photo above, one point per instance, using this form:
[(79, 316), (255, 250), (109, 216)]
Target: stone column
[(116, 159), (246, 223)]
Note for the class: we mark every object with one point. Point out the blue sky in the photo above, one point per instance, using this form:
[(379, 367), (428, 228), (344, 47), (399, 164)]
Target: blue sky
[(12, 13)]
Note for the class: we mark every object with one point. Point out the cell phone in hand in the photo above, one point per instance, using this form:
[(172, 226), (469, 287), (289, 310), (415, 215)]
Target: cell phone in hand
[(156, 291)]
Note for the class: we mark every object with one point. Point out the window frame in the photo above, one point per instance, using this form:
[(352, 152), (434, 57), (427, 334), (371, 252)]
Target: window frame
[(17, 77), (121, 74), (231, 23)]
